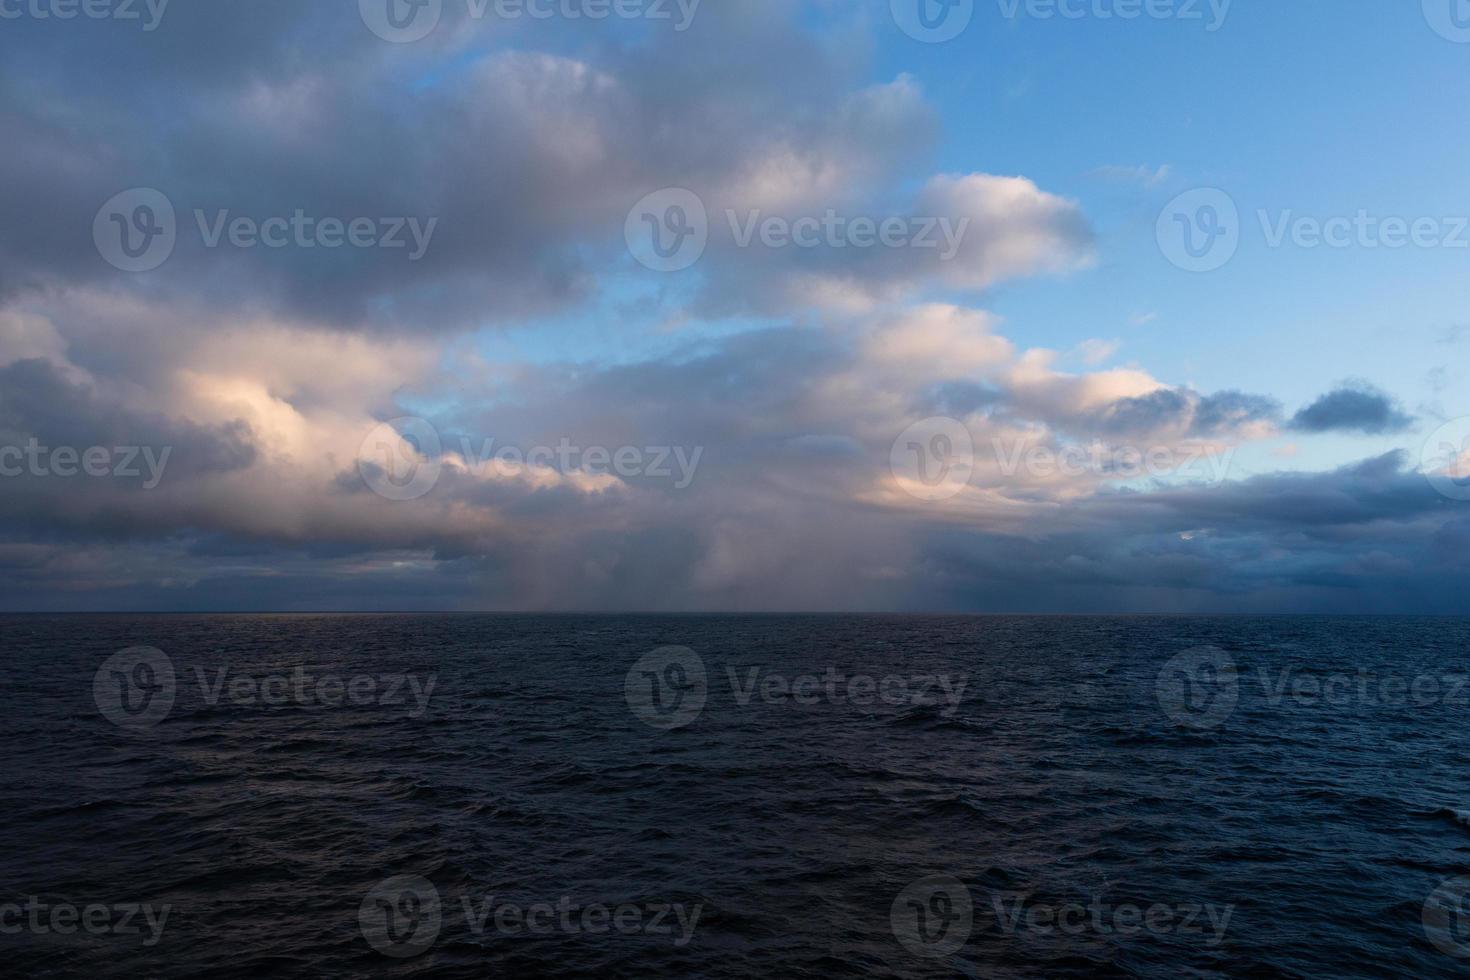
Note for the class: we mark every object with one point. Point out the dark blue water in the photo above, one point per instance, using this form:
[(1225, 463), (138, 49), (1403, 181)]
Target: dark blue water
[(496, 795)]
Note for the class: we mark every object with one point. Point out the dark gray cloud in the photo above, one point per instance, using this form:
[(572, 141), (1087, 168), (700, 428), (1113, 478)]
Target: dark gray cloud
[(1147, 413), (1378, 540), (1180, 410), (525, 143), (1230, 411), (38, 403), (785, 513), (1371, 537), (960, 398), (1355, 406)]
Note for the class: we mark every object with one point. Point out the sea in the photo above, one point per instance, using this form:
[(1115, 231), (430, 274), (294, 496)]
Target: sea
[(734, 796)]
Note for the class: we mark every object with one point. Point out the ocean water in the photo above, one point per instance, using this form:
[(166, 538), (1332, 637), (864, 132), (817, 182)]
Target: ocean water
[(726, 796)]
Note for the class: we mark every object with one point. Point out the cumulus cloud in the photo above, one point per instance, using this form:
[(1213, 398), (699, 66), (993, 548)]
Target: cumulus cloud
[(794, 427), (527, 159), (1355, 406), (264, 371)]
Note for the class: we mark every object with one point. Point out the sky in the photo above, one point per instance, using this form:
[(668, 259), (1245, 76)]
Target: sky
[(1012, 306)]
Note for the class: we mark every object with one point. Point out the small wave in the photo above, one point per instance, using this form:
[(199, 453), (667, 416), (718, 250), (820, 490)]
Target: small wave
[(89, 807), (1461, 817), (929, 717)]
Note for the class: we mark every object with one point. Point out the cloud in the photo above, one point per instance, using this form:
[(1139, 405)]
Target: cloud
[(1369, 537), (960, 232), (793, 505), (1236, 411), (37, 401), (1140, 174), (1354, 406), (1018, 230), (527, 156), (1094, 352), (264, 371)]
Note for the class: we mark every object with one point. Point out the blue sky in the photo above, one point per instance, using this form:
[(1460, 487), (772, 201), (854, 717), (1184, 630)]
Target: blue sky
[(1258, 107), (1263, 107), (1315, 107)]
